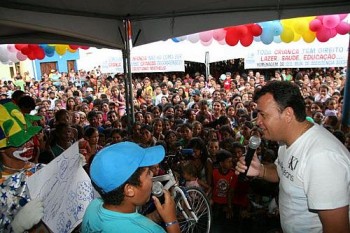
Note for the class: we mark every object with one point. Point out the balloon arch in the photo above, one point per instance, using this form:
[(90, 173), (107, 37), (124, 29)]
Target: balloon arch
[(21, 52), (322, 28)]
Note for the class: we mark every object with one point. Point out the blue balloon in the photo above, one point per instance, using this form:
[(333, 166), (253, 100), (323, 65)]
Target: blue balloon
[(49, 50), (266, 37), (175, 39), (277, 39), (277, 27)]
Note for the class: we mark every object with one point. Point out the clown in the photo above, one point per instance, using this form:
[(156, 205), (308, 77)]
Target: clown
[(18, 212)]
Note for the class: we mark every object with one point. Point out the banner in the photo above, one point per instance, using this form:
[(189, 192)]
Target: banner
[(157, 63), (142, 61), (298, 54)]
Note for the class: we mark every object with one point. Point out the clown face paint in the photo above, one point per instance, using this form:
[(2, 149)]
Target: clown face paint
[(24, 152)]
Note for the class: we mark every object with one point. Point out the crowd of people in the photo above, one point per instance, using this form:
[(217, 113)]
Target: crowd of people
[(212, 117)]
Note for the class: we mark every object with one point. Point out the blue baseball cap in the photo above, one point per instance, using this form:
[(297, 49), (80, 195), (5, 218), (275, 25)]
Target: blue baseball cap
[(113, 165)]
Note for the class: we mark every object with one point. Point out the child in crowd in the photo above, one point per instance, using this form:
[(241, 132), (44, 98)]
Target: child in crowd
[(224, 183), (189, 173)]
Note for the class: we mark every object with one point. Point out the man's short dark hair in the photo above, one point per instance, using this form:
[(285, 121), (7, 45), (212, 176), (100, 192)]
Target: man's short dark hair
[(116, 196), (286, 94)]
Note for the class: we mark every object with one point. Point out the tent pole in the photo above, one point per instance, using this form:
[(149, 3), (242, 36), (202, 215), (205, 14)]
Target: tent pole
[(207, 65), (128, 75), (346, 104)]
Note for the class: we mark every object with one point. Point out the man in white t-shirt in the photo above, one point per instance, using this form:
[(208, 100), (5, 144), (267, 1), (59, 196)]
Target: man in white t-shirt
[(312, 168)]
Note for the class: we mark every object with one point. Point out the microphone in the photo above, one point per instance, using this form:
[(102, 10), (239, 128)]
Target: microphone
[(254, 143), (157, 190)]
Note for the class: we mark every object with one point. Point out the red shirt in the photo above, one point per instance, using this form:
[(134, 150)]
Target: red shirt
[(222, 183)]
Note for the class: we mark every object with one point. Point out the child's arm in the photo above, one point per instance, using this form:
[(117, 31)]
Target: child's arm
[(205, 186)]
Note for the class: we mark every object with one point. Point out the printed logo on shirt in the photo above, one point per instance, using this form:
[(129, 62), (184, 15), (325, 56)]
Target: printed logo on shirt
[(292, 163)]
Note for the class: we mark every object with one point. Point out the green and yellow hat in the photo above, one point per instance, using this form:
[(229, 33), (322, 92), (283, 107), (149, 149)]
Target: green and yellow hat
[(15, 127)]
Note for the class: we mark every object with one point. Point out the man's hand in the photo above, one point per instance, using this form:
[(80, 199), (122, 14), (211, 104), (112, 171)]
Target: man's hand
[(167, 210)]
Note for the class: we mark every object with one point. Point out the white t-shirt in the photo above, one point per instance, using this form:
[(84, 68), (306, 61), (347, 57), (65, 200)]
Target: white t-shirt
[(314, 175)]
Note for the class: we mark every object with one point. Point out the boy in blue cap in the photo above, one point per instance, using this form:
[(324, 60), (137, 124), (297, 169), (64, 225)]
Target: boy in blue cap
[(121, 175)]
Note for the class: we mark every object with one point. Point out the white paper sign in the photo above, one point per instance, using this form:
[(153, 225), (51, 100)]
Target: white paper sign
[(65, 189)]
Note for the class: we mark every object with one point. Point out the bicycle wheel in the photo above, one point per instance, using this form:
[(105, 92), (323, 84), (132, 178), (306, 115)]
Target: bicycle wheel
[(200, 206)]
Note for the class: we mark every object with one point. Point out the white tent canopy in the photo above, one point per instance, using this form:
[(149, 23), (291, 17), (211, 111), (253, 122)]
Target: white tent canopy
[(98, 23)]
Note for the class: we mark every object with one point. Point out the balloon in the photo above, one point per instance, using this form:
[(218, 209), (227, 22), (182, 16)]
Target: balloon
[(32, 46), (255, 30), (343, 28), (25, 50), (277, 39), (323, 35), (287, 35), (246, 40), (277, 28), (39, 53), (257, 39), (11, 48), (31, 55), (20, 46), (330, 21), (332, 32), (232, 37), (267, 37), (13, 57), (84, 47), (296, 37), (175, 39), (242, 30), (309, 37), (61, 49), (342, 16), (207, 43), (20, 56), (193, 38), (49, 49), (222, 42), (71, 50), (4, 55), (74, 47), (219, 34), (301, 26), (315, 25), (50, 53), (206, 36)]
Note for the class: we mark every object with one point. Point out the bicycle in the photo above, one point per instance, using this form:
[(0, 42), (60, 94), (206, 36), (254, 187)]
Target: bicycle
[(193, 209)]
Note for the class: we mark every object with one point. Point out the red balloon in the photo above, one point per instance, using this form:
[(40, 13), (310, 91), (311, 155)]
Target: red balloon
[(232, 37), (26, 50), (31, 55), (255, 29), (74, 47), (247, 40), (39, 53), (33, 46), (84, 47), (242, 30), (20, 46)]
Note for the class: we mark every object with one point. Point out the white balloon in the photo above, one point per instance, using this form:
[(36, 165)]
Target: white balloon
[(11, 48), (4, 54), (194, 38), (13, 57)]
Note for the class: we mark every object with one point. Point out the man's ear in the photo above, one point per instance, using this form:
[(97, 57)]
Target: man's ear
[(289, 114), (129, 190)]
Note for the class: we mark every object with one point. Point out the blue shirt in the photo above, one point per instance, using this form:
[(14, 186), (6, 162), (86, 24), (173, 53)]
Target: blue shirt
[(99, 219)]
